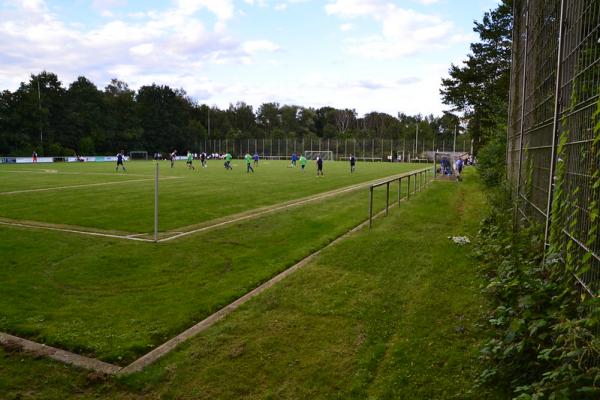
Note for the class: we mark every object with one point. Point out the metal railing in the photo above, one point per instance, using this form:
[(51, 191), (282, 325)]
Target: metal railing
[(420, 179)]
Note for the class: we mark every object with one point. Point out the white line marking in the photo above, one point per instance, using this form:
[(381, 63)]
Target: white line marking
[(49, 228), (177, 235), (57, 172), (82, 185), (283, 206)]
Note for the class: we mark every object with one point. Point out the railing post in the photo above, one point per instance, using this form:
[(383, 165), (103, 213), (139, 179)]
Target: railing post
[(399, 190), (387, 197), (415, 192), (408, 188), (370, 206)]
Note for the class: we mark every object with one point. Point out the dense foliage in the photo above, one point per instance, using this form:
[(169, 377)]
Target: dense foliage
[(43, 115), (544, 342)]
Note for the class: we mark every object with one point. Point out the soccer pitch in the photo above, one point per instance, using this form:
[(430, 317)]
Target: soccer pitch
[(117, 299), (96, 197)]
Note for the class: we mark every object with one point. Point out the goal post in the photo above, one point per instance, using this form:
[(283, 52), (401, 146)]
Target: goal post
[(138, 155), (324, 154)]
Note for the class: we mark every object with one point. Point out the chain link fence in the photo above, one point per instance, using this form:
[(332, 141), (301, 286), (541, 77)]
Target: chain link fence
[(553, 149), (362, 149)]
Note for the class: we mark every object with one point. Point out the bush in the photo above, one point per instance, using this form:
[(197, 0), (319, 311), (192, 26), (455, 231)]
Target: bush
[(491, 161)]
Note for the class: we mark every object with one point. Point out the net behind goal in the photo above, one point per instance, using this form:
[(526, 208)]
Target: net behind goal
[(324, 154), (138, 155)]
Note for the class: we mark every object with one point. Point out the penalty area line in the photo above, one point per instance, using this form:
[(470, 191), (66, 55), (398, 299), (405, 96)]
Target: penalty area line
[(84, 185)]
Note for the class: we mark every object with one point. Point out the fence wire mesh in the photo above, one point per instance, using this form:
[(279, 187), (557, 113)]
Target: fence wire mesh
[(554, 128), (362, 149)]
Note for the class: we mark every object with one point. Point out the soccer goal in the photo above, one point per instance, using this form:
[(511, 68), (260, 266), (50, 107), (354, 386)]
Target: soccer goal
[(324, 154), (138, 155)]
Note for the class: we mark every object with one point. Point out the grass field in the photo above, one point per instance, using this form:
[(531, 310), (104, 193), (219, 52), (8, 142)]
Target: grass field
[(116, 299), (95, 196), (390, 313)]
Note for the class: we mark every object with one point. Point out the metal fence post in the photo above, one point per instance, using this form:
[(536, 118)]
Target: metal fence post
[(415, 191), (370, 206), (561, 32), (156, 205), (521, 128), (387, 197)]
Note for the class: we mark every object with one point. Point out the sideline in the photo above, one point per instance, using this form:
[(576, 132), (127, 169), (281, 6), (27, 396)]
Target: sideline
[(84, 185), (48, 171)]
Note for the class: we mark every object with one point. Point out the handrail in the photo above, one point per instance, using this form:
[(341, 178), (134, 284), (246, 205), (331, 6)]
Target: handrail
[(421, 178)]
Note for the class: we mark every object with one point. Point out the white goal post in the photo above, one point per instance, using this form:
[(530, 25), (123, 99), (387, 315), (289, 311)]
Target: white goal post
[(138, 155), (324, 154)]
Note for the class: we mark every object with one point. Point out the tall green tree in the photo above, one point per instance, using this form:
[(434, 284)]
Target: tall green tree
[(479, 88)]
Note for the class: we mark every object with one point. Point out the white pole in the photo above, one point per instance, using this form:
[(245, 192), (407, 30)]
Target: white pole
[(417, 140), (156, 205), (454, 146)]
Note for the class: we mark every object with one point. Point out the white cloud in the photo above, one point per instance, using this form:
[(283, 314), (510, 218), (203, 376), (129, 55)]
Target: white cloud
[(166, 45), (346, 27), (142, 49), (281, 7), (403, 32), (255, 46)]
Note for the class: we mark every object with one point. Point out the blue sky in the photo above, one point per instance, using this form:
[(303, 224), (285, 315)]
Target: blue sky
[(370, 55)]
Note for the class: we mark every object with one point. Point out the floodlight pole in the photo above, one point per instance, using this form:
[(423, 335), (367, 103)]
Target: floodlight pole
[(156, 205)]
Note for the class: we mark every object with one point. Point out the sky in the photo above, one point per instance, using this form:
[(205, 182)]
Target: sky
[(367, 55)]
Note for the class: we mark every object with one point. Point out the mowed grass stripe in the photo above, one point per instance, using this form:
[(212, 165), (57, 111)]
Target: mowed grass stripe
[(204, 194)]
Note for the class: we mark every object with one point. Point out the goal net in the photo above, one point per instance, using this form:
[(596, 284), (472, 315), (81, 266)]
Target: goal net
[(324, 154), (138, 155)]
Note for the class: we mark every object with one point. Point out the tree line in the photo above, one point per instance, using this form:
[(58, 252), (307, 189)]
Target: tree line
[(43, 115)]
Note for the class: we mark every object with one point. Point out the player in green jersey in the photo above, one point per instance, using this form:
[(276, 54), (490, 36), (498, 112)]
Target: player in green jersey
[(190, 159), (228, 161), (302, 162), (248, 159)]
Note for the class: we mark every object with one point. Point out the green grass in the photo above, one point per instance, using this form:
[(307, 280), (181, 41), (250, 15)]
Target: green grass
[(388, 313), (117, 299), (196, 197)]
